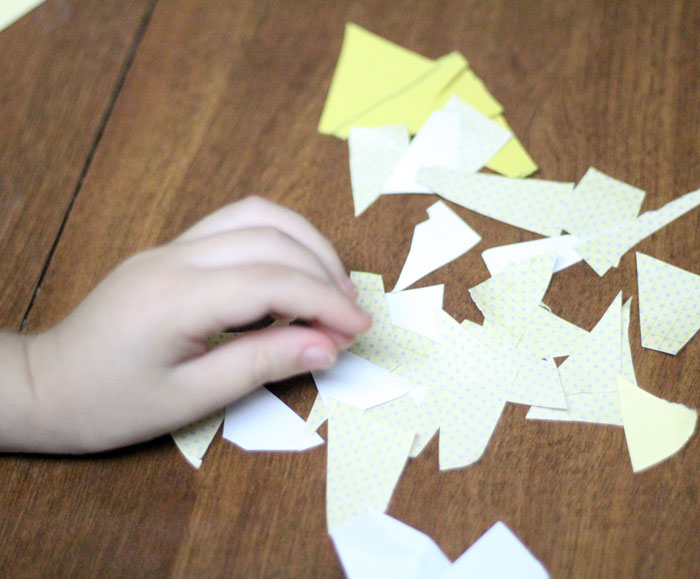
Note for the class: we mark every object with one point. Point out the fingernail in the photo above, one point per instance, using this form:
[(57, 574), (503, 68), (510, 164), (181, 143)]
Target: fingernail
[(316, 358)]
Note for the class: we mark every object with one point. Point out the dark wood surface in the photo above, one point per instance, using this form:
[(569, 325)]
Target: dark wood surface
[(127, 121)]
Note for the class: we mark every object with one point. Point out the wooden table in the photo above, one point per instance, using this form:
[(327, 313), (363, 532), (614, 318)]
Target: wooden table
[(124, 121)]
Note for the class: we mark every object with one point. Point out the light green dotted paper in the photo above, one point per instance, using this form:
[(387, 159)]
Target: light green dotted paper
[(374, 153), (194, 440), (600, 202), (366, 456), (533, 204), (549, 336), (605, 251), (669, 304)]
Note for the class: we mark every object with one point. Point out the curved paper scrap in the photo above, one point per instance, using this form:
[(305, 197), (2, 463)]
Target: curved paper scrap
[(439, 240), (600, 202), (366, 456), (262, 422), (532, 204), (604, 251), (374, 153), (194, 439), (669, 304), (655, 429)]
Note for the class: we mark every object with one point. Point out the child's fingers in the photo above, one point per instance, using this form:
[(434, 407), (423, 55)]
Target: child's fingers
[(257, 212), (233, 369), (260, 245), (217, 299)]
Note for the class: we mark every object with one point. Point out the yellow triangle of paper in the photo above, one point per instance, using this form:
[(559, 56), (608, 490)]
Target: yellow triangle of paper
[(194, 440), (512, 160), (370, 70), (472, 90), (655, 428)]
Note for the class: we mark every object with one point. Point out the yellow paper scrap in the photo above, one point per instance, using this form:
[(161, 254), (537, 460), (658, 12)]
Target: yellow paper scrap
[(318, 415), (655, 429), (512, 160), (669, 304), (366, 456), (472, 90), (194, 440)]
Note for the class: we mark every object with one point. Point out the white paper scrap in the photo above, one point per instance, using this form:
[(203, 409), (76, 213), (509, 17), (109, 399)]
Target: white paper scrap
[(564, 246), (415, 309)]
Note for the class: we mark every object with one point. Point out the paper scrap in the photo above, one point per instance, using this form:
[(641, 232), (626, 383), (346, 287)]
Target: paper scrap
[(374, 545), (415, 309), (472, 90), (374, 153), (366, 456), (317, 416), (532, 204), (437, 143), (512, 160), (439, 240), (564, 246), (262, 422), (604, 251), (537, 384), (669, 304), (600, 202), (589, 375), (655, 429), (626, 363), (549, 336), (11, 12), (359, 383), (194, 440)]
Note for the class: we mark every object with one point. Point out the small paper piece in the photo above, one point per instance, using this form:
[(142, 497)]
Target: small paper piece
[(537, 384), (374, 153), (605, 250), (359, 383), (626, 363), (318, 415), (531, 204), (549, 336), (589, 375), (600, 202), (480, 137), (366, 456), (374, 545), (439, 240), (415, 309), (669, 304), (512, 160), (437, 143), (11, 11), (194, 439), (564, 246), (655, 429), (498, 553), (262, 422)]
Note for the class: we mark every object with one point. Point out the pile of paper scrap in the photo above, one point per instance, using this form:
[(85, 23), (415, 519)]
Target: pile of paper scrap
[(418, 371)]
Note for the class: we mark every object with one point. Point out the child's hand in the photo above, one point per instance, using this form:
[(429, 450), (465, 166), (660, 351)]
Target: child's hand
[(131, 362)]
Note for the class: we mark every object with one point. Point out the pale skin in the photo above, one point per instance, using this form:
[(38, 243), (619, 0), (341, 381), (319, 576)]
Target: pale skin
[(131, 362)]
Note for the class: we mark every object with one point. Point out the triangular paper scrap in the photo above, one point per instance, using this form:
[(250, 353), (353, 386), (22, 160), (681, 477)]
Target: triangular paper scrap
[(605, 250), (480, 137), (374, 153), (472, 90), (669, 304), (498, 553), (366, 456), (194, 439), (415, 309), (318, 415), (532, 204), (589, 375), (512, 160), (10, 12), (437, 143), (262, 422), (655, 429), (441, 239), (374, 545), (600, 202)]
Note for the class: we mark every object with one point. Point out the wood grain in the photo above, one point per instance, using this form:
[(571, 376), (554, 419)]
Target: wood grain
[(222, 100), (59, 68)]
